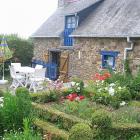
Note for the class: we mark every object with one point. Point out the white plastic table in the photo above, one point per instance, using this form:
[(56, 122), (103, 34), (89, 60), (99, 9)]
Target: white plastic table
[(27, 71)]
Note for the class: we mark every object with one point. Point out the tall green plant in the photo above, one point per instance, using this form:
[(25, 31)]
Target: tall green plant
[(127, 67), (15, 108)]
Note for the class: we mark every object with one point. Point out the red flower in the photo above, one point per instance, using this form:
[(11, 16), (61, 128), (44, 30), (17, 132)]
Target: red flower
[(81, 97), (107, 75), (74, 96)]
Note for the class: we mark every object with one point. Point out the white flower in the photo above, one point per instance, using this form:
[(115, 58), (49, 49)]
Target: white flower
[(112, 84), (119, 88), (102, 82), (99, 90), (73, 83), (122, 103), (1, 105), (1, 99), (77, 84), (97, 81), (78, 88), (111, 91)]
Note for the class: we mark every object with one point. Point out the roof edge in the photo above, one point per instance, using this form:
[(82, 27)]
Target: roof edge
[(104, 36), (44, 36)]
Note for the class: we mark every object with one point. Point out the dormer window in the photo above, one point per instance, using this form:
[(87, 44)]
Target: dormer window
[(71, 22)]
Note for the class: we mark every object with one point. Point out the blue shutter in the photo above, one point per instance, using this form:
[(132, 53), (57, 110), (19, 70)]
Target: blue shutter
[(68, 41)]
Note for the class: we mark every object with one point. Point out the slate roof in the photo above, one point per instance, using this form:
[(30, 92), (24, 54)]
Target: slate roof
[(113, 18), (54, 25)]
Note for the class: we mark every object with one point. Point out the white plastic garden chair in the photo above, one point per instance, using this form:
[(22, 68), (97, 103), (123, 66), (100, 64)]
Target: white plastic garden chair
[(18, 80), (38, 66), (37, 79), (16, 65)]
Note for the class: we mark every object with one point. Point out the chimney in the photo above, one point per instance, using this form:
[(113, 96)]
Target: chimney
[(62, 3)]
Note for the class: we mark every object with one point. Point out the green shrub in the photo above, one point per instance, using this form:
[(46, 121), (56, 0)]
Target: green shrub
[(47, 96), (125, 131), (101, 119), (122, 79), (135, 86), (27, 134), (15, 108), (23, 93), (81, 132)]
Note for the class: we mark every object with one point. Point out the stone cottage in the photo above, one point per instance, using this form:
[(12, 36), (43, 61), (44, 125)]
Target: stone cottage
[(83, 35)]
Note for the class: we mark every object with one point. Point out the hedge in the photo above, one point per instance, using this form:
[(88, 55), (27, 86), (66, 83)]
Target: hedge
[(125, 131), (50, 114), (45, 97), (49, 130)]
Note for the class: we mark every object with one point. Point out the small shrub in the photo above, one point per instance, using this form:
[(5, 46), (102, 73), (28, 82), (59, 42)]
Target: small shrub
[(81, 132), (135, 86), (22, 92), (101, 119), (27, 134)]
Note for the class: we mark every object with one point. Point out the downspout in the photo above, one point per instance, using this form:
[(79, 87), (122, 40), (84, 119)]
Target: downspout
[(128, 49)]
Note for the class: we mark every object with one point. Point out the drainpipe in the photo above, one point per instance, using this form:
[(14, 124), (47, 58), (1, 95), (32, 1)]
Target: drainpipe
[(128, 49)]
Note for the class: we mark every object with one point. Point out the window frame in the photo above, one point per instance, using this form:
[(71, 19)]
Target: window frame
[(113, 54), (69, 20)]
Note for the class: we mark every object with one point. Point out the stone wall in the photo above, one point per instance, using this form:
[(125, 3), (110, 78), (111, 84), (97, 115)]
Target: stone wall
[(134, 57), (90, 48), (41, 46), (90, 60)]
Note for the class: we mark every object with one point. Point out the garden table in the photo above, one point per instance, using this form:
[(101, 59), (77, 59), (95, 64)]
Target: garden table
[(27, 71)]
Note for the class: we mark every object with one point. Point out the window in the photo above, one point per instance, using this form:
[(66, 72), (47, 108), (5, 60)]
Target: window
[(71, 22), (108, 59)]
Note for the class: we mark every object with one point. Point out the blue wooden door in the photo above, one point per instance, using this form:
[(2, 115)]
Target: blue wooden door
[(51, 72)]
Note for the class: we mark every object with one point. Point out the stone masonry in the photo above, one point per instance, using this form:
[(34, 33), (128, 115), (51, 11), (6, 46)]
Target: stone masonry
[(42, 45), (90, 48)]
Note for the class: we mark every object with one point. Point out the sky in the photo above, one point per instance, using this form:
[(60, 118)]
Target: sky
[(24, 17)]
